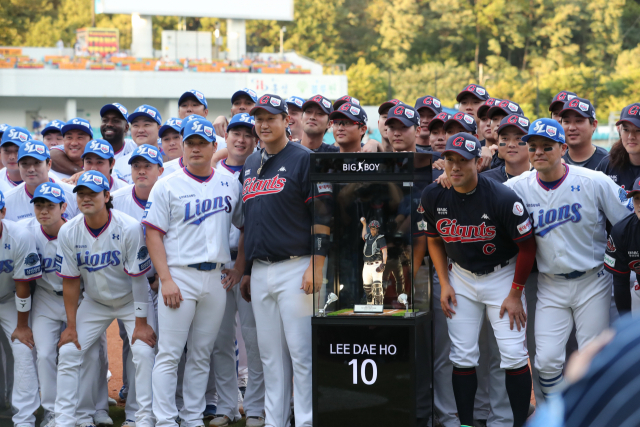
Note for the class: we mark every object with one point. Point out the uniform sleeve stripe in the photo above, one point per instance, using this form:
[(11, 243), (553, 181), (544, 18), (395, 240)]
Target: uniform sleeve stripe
[(429, 233), (154, 227), (139, 274), (522, 237), (315, 197), (29, 279), (616, 271), (67, 277)]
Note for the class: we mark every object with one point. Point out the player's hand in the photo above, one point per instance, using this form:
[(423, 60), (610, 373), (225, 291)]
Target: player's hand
[(485, 158), (69, 335), (24, 335), (307, 279), (438, 164), (245, 288), (448, 293), (232, 278), (73, 179), (380, 268), (145, 334), (363, 220), (220, 125), (444, 181), (513, 305), (372, 146), (155, 284), (171, 294)]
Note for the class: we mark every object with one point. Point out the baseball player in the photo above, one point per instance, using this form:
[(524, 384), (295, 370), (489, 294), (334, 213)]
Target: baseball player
[(557, 103), (192, 102), (171, 138), (428, 107), (105, 249), (484, 122), (578, 119), (349, 127), (471, 98), (569, 206), (20, 265), (76, 133), (51, 134), (480, 225), (280, 272), (375, 258), (511, 148), (11, 141), (403, 124), (295, 116), (383, 110), (316, 123), (242, 101), (98, 156), (188, 204), (622, 257), (460, 123)]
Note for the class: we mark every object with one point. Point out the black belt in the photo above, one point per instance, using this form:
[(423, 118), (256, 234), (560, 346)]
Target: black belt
[(572, 275), (234, 255), (274, 259), (204, 266), (59, 293), (492, 269)]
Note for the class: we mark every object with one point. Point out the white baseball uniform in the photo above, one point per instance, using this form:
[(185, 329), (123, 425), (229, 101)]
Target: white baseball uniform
[(19, 206), (128, 147), (569, 221), (172, 166), (19, 262), (112, 265), (7, 184), (123, 168), (116, 184), (195, 217)]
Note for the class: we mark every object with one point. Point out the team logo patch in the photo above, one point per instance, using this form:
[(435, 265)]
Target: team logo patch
[(468, 119), (574, 103), (525, 227), (420, 209), (121, 108), (275, 102), (197, 94), (551, 131), (151, 113), (480, 91), (513, 107), (436, 102), (523, 122), (152, 153), (570, 97), (208, 131), (609, 260), (355, 101), (518, 209), (264, 99), (56, 192), (354, 110), (422, 225), (31, 259), (611, 247), (457, 142), (512, 120), (22, 136), (298, 102), (326, 103), (469, 145), (325, 188), (409, 113), (583, 106), (143, 253)]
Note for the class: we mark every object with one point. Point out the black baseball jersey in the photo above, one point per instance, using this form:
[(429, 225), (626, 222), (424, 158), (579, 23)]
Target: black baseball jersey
[(480, 229), (278, 200), (499, 174), (592, 162), (623, 247), (624, 177), (369, 254), (326, 148), (496, 161)]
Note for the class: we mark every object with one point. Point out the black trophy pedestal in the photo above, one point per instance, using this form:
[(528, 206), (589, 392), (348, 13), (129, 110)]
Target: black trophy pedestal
[(372, 371)]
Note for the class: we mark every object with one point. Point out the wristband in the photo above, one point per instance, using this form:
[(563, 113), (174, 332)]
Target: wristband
[(141, 309), (321, 243), (247, 268), (517, 287), (23, 304)]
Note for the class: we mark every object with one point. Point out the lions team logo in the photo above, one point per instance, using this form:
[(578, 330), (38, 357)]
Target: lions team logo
[(141, 109), (143, 253), (208, 131), (539, 127), (31, 259), (275, 102)]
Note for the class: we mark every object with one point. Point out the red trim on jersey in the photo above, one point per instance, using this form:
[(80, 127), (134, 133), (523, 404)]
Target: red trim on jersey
[(566, 173), (15, 184), (103, 228), (224, 165), (195, 178), (29, 279), (139, 274), (154, 227), (135, 198), (67, 277), (49, 238), (617, 271), (120, 150), (523, 236), (181, 163), (110, 183)]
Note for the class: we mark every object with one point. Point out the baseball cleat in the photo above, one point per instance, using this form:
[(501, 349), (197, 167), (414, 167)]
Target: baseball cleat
[(129, 423), (112, 401), (101, 419), (209, 412), (220, 421), (48, 420), (255, 422), (123, 393)]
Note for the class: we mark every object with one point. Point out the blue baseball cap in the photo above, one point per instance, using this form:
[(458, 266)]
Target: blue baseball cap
[(173, 123), (99, 147), (547, 128), (1, 200), (53, 126), (464, 144), (242, 119), (245, 92), (50, 191), (3, 127), (405, 114), (202, 127), (115, 107), (147, 152), (429, 102), (94, 181), (36, 149), (467, 121), (516, 120), (270, 103), (199, 96), (188, 120), (295, 101), (15, 135), (77, 124), (146, 111)]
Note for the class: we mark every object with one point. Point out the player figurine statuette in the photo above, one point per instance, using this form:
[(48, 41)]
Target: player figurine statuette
[(375, 258), (402, 299), (330, 299)]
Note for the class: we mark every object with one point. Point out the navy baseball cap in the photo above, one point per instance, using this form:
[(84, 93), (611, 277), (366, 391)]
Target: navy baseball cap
[(173, 123), (147, 152), (52, 126), (467, 121), (464, 144), (115, 107), (295, 101), (202, 127), (440, 118), (15, 135), (36, 149), (245, 92), (146, 111), (516, 120), (242, 119), (199, 96), (581, 106), (505, 106), (270, 103), (475, 90), (94, 181), (1, 200), (78, 124), (407, 115), (634, 190), (344, 99), (322, 102), (385, 106), (351, 112), (50, 191), (429, 102), (547, 128), (100, 148), (484, 108), (561, 98), (631, 114)]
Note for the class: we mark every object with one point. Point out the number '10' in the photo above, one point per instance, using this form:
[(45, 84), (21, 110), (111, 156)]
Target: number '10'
[(363, 368)]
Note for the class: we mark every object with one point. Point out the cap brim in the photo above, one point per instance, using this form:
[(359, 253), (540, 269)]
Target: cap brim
[(553, 105), (384, 106), (239, 124), (515, 125), (339, 103), (434, 122), (48, 197), (155, 162), (100, 154), (93, 187), (527, 137), (464, 92), (496, 109), (110, 107), (134, 116), (467, 155), (577, 110), (165, 128), (632, 193), (405, 121), (467, 127), (208, 138), (40, 157), (310, 102), (67, 128), (190, 95), (49, 129), (635, 122), (268, 109), (483, 110), (342, 115), (239, 94), (430, 107)]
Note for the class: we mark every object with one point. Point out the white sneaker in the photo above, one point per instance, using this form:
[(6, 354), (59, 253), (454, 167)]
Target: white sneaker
[(112, 402), (49, 419), (102, 419), (220, 421), (129, 423), (255, 422)]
